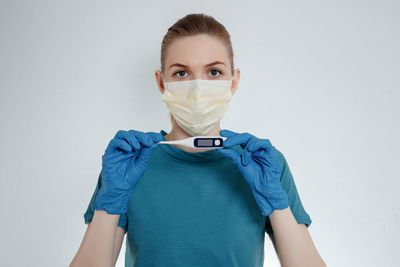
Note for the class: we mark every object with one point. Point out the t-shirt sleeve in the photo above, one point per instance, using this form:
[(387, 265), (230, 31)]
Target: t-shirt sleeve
[(289, 186), (88, 216)]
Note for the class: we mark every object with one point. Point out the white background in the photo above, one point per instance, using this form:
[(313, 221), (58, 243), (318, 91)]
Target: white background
[(320, 79)]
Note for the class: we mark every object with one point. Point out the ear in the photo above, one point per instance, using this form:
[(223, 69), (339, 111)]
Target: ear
[(235, 80), (159, 81)]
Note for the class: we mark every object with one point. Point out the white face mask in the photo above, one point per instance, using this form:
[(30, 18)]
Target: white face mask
[(198, 105)]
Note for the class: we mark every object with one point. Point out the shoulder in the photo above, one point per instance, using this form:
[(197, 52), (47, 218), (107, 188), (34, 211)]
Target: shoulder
[(280, 156), (282, 161)]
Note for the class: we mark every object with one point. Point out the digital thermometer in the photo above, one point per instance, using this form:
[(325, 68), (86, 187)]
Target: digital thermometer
[(199, 142)]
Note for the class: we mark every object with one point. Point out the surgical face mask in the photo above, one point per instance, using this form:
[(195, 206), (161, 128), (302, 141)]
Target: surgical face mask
[(198, 105)]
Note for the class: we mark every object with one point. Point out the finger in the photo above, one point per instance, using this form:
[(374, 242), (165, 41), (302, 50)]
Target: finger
[(129, 138), (265, 146), (146, 152), (247, 155), (232, 154), (118, 145), (112, 160), (253, 145), (237, 139), (142, 137), (117, 150), (259, 144), (227, 133), (156, 137)]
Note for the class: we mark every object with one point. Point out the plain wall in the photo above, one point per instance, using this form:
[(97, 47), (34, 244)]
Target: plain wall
[(320, 79)]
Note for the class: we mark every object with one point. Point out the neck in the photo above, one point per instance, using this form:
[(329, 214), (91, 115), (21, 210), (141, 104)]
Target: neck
[(177, 133)]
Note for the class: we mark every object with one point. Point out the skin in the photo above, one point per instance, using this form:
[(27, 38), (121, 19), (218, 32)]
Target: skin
[(101, 243), (292, 241), (195, 52)]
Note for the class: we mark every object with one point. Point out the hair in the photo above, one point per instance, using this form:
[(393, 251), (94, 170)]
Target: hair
[(193, 24)]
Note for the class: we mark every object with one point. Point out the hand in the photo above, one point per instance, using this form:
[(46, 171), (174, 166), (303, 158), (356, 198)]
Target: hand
[(259, 165), (123, 164)]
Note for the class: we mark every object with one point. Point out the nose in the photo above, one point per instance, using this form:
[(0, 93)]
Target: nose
[(195, 93), (199, 75)]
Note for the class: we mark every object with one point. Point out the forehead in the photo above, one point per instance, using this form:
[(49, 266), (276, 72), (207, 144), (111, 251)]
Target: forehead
[(195, 50)]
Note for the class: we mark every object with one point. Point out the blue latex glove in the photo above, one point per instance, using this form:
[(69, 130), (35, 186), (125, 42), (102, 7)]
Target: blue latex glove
[(259, 165), (123, 164)]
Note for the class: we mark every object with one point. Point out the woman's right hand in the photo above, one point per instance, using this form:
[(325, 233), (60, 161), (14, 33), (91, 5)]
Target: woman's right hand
[(123, 164)]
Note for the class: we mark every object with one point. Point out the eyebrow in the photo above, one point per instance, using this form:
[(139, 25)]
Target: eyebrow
[(208, 65)]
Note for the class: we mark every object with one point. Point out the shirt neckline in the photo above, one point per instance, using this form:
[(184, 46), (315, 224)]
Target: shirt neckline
[(205, 156)]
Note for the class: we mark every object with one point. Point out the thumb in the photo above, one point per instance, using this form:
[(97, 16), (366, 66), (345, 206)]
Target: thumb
[(146, 152), (232, 154)]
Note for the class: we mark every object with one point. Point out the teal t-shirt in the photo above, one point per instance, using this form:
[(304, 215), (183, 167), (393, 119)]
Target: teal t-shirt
[(195, 209)]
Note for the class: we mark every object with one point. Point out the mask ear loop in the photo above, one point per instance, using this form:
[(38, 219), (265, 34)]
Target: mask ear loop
[(162, 78)]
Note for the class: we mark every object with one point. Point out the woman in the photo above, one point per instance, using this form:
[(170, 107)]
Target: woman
[(185, 207)]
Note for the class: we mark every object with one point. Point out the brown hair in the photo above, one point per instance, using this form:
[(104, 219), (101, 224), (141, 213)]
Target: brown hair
[(193, 24)]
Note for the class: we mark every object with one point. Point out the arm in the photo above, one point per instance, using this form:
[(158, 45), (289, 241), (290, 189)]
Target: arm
[(292, 241), (266, 171), (123, 164), (119, 238), (97, 247)]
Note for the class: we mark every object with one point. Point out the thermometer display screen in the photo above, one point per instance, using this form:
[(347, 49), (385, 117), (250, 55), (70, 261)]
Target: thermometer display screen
[(204, 142)]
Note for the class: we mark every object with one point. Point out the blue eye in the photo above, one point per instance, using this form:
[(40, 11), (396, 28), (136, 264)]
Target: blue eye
[(180, 72), (214, 72)]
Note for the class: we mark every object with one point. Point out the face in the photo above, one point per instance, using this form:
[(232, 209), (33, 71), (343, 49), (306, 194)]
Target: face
[(197, 57)]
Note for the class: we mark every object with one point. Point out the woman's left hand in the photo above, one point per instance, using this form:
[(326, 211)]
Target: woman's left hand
[(259, 165)]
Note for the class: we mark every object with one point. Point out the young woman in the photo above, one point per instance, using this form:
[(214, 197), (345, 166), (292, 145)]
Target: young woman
[(188, 207)]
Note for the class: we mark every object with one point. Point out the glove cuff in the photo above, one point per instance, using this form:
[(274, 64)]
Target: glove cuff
[(112, 202), (273, 201)]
